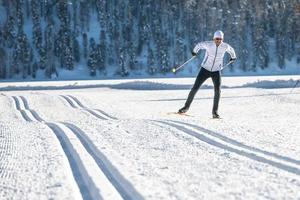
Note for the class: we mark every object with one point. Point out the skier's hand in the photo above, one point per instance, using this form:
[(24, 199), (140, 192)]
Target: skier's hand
[(193, 53), (232, 60)]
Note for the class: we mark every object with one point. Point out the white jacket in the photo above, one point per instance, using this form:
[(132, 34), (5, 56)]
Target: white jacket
[(213, 59)]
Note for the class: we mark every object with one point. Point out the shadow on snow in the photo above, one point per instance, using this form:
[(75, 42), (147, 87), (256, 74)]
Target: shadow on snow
[(149, 85)]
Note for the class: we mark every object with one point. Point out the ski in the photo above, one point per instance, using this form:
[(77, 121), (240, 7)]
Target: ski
[(178, 113), (219, 118)]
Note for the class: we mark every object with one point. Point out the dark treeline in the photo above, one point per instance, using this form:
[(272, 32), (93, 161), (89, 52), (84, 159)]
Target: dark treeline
[(141, 35)]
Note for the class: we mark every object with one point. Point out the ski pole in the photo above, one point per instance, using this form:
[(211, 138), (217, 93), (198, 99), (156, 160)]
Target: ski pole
[(177, 68), (228, 63), (294, 86)]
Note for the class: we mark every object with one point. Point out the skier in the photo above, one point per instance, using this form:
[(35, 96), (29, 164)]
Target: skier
[(210, 68)]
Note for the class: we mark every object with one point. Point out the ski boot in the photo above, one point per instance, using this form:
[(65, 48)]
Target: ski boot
[(216, 115), (183, 110)]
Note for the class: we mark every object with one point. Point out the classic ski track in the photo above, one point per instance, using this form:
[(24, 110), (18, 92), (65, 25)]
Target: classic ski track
[(77, 105), (239, 144), (219, 141), (75, 164), (86, 186), (33, 112), (82, 106), (104, 164), (23, 112), (73, 104)]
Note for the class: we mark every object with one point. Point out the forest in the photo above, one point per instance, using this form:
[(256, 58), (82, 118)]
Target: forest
[(149, 36)]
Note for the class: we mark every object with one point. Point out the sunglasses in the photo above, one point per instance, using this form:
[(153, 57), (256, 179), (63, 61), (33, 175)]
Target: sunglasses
[(218, 38)]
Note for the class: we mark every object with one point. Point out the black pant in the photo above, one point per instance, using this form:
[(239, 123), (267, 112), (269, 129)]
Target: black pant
[(202, 76)]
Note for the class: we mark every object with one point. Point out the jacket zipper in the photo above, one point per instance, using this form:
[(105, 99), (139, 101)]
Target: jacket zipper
[(214, 59)]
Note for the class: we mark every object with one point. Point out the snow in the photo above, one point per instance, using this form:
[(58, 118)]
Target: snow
[(118, 139)]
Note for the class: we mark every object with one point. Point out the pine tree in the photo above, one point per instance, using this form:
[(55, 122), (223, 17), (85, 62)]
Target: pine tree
[(69, 59), (43, 57), (34, 69), (20, 17), (111, 55), (76, 50), (37, 31), (281, 45), (179, 48), (92, 62), (163, 54), (92, 59), (85, 45), (132, 56), (101, 12), (150, 62), (3, 58), (49, 46), (25, 55), (260, 39), (291, 30), (142, 33), (102, 52), (19, 53), (14, 61), (242, 49), (92, 46), (76, 28), (122, 65), (84, 15), (10, 33), (65, 45)]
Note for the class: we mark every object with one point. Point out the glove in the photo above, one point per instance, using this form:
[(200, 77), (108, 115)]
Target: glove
[(193, 53), (232, 60)]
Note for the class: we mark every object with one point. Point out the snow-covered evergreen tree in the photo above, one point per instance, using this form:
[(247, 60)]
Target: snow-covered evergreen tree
[(76, 49), (85, 45), (49, 46), (92, 58), (92, 45), (25, 55), (20, 16), (69, 59), (84, 15), (102, 53), (34, 69), (126, 35), (37, 31), (281, 26), (150, 62), (10, 33), (3, 62), (122, 65), (260, 38)]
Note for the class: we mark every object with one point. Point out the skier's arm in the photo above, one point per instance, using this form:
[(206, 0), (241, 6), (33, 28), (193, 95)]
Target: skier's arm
[(201, 45), (231, 51)]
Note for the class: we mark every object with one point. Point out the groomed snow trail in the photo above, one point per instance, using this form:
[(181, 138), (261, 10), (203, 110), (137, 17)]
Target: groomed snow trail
[(116, 140), (93, 173)]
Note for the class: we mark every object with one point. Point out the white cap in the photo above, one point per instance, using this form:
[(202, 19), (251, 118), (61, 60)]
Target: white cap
[(219, 34)]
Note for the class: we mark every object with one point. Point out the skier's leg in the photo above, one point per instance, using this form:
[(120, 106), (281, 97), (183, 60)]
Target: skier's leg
[(216, 78), (202, 76)]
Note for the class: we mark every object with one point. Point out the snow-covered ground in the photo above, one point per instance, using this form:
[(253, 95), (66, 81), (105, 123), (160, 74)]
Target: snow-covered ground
[(118, 139)]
